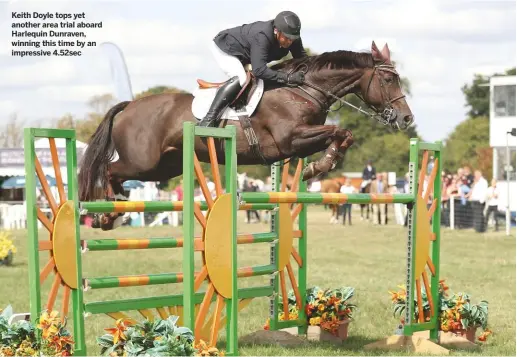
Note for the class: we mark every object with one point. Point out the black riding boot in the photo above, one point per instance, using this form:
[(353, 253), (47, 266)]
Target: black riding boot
[(225, 95)]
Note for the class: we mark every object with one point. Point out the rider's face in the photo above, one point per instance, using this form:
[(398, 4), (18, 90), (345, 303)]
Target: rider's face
[(283, 41)]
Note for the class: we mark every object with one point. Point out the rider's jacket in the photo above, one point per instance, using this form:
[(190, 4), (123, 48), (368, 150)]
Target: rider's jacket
[(255, 44)]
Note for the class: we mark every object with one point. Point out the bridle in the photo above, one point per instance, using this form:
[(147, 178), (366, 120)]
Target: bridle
[(387, 116)]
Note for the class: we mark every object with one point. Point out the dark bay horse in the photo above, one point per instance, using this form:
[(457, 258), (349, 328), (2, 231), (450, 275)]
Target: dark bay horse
[(289, 122)]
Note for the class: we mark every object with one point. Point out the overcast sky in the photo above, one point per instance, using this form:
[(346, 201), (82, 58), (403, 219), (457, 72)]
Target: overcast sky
[(438, 45)]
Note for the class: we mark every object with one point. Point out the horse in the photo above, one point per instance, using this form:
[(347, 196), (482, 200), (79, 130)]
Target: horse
[(289, 122), (333, 185)]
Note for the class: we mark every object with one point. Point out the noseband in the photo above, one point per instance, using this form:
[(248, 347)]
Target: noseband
[(385, 117)]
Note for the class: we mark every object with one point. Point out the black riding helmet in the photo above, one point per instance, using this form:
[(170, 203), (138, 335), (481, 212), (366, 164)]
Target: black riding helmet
[(289, 24)]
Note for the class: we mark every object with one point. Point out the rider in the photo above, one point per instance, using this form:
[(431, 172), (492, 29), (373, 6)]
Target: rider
[(257, 44), (369, 173)]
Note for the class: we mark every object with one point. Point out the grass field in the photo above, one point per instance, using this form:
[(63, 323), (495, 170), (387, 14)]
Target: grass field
[(369, 258)]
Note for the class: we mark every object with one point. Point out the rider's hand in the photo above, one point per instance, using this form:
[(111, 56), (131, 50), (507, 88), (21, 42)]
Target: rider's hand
[(295, 79)]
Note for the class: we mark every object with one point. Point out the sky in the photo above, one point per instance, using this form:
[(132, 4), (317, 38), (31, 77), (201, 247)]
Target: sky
[(438, 46)]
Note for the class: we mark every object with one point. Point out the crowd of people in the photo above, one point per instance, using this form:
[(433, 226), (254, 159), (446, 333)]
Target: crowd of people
[(473, 201)]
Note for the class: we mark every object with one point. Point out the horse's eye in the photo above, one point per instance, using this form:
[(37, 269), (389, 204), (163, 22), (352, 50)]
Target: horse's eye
[(389, 80)]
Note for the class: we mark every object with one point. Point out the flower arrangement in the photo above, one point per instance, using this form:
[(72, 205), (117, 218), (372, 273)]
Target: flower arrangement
[(49, 337), (7, 249), (457, 313), (330, 307), (152, 338), (327, 308)]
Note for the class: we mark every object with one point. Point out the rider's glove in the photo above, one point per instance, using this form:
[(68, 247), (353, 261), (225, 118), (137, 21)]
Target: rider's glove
[(292, 80), (295, 79)]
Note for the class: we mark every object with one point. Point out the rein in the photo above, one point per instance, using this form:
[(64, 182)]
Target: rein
[(385, 117)]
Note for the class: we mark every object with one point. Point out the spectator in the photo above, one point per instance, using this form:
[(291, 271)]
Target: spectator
[(430, 165), (478, 196), (493, 203), (468, 174), (347, 188), (379, 186), (463, 190), (178, 190)]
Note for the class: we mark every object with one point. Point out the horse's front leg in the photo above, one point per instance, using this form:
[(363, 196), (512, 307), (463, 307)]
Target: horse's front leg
[(335, 139)]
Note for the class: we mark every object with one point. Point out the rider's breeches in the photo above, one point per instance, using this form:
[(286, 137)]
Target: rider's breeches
[(229, 64)]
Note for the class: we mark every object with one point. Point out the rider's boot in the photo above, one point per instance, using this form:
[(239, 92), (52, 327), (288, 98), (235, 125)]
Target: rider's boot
[(225, 95)]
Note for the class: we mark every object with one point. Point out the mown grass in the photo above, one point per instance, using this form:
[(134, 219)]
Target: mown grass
[(369, 258)]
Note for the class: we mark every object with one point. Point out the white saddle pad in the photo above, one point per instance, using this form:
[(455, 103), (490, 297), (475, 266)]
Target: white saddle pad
[(203, 98)]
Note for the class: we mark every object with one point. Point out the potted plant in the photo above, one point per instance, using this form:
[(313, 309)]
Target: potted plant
[(327, 310), (21, 338), (7, 249), (161, 337), (461, 317), (457, 314), (330, 309)]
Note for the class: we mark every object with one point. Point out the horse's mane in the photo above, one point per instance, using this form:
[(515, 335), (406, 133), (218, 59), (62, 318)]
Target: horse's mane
[(331, 60)]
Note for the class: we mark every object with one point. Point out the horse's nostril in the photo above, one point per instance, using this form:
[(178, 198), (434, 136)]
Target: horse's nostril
[(408, 119)]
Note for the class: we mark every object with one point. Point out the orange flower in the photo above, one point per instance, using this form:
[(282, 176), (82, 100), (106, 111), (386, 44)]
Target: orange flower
[(118, 331), (60, 343), (484, 335), (48, 323), (266, 325)]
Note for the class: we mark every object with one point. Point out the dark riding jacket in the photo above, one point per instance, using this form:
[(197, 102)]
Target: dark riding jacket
[(369, 174), (256, 44)]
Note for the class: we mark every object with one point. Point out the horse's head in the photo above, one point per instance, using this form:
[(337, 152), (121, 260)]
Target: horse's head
[(380, 87), (107, 221)]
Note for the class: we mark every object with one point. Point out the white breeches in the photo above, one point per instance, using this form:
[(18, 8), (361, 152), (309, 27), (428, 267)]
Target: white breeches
[(229, 64)]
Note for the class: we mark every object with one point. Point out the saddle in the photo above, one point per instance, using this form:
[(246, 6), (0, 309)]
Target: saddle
[(244, 94)]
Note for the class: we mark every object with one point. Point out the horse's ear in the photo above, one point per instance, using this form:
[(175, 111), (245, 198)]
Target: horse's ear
[(386, 53), (376, 54)]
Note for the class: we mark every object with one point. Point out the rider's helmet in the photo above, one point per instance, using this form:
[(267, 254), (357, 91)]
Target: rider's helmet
[(289, 24)]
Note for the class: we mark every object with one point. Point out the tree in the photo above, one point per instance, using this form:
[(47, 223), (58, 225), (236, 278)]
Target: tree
[(11, 135), (477, 94), (465, 144), (67, 121), (159, 90)]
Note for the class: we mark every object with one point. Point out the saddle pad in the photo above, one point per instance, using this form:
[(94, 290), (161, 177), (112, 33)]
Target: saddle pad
[(203, 98)]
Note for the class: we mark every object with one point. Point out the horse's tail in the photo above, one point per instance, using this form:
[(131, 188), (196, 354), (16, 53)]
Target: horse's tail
[(98, 154)]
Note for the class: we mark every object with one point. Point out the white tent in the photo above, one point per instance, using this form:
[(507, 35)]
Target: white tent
[(12, 161), (44, 143)]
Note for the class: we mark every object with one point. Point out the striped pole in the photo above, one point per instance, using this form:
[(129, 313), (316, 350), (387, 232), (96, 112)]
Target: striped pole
[(165, 242), (156, 206), (132, 280), (324, 198)]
